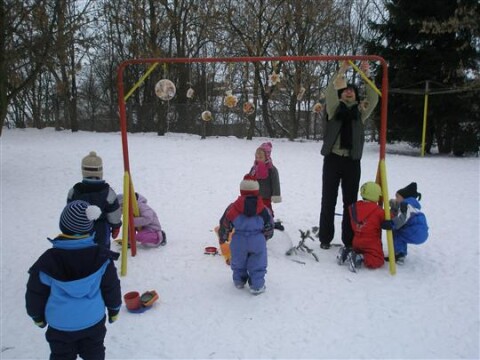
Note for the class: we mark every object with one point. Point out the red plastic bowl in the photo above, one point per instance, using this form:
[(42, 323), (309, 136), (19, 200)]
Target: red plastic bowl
[(211, 250)]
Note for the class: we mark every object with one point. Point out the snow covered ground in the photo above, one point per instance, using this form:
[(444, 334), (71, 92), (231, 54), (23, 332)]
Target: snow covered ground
[(316, 310)]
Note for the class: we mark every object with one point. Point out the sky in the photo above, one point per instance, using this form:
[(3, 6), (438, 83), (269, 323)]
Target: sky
[(311, 310)]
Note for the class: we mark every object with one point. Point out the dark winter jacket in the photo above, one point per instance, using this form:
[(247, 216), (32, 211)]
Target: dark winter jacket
[(366, 218), (336, 108), (72, 284), (270, 186), (98, 192), (249, 216)]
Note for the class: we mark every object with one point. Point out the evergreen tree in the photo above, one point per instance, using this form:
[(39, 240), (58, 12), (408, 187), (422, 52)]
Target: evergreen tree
[(435, 41)]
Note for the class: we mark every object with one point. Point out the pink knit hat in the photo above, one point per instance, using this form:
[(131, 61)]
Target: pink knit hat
[(267, 149)]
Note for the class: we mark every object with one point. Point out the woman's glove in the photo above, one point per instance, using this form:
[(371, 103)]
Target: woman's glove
[(112, 315), (40, 322)]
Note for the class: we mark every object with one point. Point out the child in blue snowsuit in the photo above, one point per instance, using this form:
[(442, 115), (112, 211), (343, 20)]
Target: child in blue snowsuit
[(94, 190), (253, 225), (408, 224), (72, 285)]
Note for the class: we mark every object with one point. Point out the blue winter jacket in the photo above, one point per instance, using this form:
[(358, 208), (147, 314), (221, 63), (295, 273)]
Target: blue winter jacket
[(410, 225), (72, 284)]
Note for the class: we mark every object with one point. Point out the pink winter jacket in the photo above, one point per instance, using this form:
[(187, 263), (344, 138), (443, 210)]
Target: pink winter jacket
[(147, 219)]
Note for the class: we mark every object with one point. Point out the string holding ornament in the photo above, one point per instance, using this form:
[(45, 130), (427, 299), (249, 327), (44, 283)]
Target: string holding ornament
[(190, 91), (230, 100)]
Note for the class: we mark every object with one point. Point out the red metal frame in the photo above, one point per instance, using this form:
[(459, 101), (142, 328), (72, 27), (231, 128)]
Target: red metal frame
[(124, 64)]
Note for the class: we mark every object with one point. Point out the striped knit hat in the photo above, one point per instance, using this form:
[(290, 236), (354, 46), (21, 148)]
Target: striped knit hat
[(249, 186), (78, 217)]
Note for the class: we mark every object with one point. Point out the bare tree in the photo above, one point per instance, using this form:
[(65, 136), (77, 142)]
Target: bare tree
[(26, 33)]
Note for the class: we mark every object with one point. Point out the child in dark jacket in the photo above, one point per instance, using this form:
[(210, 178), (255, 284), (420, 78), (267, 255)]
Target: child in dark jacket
[(268, 179), (366, 218), (408, 224), (72, 285), (94, 190), (253, 225)]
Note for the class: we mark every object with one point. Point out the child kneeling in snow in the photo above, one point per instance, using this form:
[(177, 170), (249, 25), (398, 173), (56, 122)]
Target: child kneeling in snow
[(253, 224), (408, 224), (366, 218), (148, 229), (72, 285)]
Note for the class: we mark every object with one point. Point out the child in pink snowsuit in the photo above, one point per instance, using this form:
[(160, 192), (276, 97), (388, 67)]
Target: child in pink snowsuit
[(148, 229)]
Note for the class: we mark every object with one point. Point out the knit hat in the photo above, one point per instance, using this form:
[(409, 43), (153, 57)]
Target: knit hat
[(267, 149), (371, 191), (349, 86), (249, 186), (78, 217), (92, 166), (410, 191)]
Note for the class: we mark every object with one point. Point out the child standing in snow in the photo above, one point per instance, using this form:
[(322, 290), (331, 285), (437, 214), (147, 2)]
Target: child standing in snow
[(408, 224), (366, 218), (267, 176), (253, 226), (94, 190), (72, 285), (148, 229)]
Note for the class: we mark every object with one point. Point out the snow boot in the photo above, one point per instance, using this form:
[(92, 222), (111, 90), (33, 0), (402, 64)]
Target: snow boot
[(324, 246), (164, 239), (342, 254), (257, 291), (278, 225), (354, 261)]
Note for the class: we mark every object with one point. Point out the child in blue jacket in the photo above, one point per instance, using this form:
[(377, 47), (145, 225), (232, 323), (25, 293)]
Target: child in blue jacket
[(72, 285), (253, 225), (408, 224)]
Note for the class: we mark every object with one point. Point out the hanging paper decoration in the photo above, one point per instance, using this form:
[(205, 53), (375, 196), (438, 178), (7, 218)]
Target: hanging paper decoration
[(300, 94), (230, 100), (248, 108), (274, 78), (207, 115), (190, 93), (317, 108), (165, 89)]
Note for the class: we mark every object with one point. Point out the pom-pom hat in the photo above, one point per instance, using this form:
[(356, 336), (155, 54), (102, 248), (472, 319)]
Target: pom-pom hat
[(78, 217), (92, 166), (266, 147), (249, 186), (410, 191)]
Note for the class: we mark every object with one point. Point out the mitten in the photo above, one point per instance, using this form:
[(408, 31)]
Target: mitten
[(393, 205), (387, 225), (339, 83), (115, 232), (112, 315), (40, 322), (225, 249), (276, 199)]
